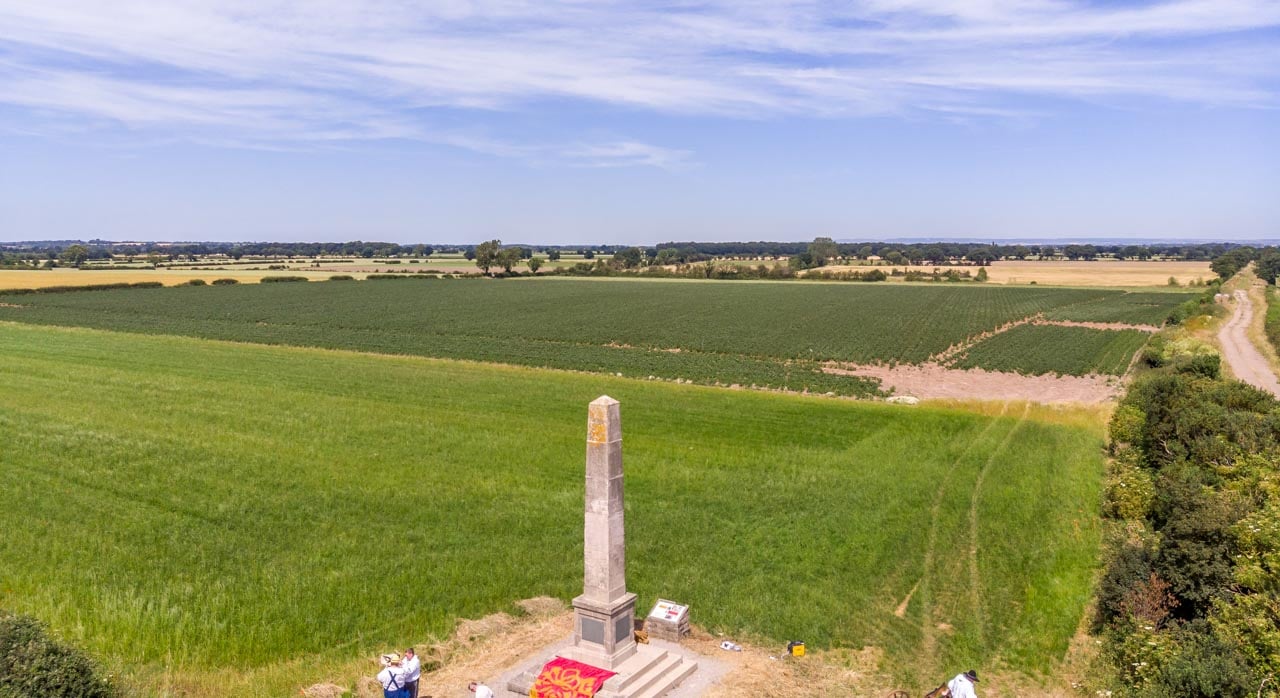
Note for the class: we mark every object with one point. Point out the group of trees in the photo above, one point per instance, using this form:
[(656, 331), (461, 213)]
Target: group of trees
[(1189, 604), (491, 254), (1267, 258)]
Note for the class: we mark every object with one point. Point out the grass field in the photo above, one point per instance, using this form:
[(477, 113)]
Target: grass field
[(764, 334), (238, 520)]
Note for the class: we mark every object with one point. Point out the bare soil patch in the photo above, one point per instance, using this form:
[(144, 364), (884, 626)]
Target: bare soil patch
[(932, 381), (1098, 325)]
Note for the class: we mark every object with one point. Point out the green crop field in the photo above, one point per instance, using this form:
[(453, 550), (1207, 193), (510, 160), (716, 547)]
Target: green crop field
[(1134, 307), (238, 520), (1071, 351), (765, 334)]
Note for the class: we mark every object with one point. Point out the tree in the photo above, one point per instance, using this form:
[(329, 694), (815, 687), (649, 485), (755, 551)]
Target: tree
[(934, 254), (75, 255), (629, 257), (486, 254), (553, 255), (804, 260), (535, 263), (1268, 265), (588, 254), (508, 258), (981, 256), (823, 250)]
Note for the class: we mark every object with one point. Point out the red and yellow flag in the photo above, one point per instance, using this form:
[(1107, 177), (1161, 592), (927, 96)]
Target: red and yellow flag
[(565, 678)]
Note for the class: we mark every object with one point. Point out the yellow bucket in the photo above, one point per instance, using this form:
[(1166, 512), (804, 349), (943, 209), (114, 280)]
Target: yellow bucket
[(796, 649)]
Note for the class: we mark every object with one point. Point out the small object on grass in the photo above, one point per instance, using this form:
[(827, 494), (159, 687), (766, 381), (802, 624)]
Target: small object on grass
[(731, 647), (795, 648)]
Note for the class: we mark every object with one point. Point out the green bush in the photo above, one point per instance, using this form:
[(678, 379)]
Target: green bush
[(34, 665), (282, 279), (1202, 665), (1130, 566), (1130, 491), (342, 277), (1203, 365), (197, 282), (1197, 547), (225, 282)]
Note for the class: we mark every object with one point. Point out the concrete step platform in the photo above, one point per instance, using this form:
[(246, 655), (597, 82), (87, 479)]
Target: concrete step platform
[(649, 673)]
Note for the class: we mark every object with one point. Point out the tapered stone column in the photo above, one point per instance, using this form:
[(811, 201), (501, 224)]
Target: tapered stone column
[(604, 615)]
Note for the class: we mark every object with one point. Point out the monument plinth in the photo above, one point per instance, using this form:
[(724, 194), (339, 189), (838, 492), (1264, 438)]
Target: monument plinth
[(604, 615)]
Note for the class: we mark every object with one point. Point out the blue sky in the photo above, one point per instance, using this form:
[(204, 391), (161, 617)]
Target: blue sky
[(578, 121)]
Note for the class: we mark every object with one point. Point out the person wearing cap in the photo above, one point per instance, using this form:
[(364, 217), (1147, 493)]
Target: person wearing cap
[(962, 685), (412, 672), (392, 677), (481, 690)]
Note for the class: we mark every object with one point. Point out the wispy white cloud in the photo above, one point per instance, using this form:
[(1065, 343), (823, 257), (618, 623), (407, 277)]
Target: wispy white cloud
[(294, 72)]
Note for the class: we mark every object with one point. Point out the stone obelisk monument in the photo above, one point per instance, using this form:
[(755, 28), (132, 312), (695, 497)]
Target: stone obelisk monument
[(604, 615)]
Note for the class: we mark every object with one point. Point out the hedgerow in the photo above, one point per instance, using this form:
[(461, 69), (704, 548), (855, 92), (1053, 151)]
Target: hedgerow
[(1187, 605)]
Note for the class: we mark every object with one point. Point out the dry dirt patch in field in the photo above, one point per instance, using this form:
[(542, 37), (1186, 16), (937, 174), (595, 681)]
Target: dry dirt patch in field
[(932, 381)]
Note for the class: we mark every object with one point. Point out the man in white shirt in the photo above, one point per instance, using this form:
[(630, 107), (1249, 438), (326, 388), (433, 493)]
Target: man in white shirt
[(412, 672), (962, 685), (481, 690), (392, 676)]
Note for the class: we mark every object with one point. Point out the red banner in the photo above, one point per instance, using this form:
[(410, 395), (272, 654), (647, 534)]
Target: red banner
[(565, 678)]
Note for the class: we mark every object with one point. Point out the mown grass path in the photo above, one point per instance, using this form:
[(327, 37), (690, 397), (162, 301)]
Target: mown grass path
[(204, 513)]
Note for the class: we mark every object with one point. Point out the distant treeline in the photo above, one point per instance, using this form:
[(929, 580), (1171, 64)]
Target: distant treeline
[(938, 252), (663, 253)]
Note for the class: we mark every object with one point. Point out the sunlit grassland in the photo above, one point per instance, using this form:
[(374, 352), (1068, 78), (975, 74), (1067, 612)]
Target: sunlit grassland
[(186, 508)]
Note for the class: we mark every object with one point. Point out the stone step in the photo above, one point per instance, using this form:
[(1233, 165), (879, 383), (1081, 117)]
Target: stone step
[(656, 676), (669, 680), (638, 666)]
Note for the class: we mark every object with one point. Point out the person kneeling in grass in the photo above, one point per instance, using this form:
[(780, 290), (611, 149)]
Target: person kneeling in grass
[(962, 685)]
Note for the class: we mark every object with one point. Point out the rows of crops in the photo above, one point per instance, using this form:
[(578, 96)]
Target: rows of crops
[(1040, 349), (1134, 308), (196, 512), (763, 334)]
